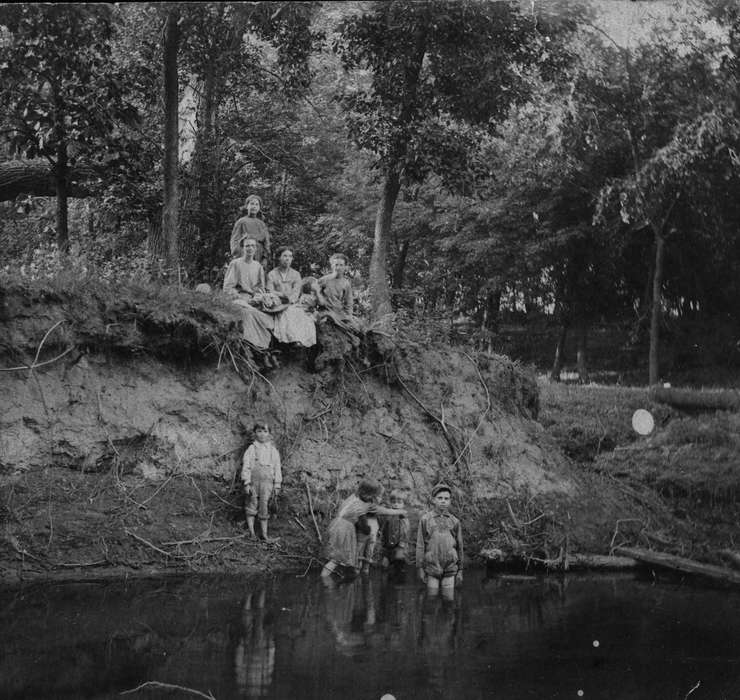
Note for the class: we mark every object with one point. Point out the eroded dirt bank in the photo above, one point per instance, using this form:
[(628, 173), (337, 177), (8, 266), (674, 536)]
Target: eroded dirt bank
[(118, 456)]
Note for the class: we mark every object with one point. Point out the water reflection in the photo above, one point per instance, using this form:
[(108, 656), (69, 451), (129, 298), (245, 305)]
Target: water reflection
[(350, 612), (254, 659), (439, 629), (505, 637)]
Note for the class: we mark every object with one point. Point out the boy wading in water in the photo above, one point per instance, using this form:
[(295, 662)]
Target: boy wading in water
[(439, 545), (262, 478), (394, 536)]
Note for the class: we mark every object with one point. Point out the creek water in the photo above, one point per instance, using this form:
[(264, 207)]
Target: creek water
[(504, 637)]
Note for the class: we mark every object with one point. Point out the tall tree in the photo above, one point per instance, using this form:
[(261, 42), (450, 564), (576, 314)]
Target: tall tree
[(171, 203), (60, 95), (668, 111), (438, 73), (241, 59)]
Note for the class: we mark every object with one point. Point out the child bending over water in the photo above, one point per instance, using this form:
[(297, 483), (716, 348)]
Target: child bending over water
[(343, 552)]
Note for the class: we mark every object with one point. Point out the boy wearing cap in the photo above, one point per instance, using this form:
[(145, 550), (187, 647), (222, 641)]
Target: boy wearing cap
[(439, 544)]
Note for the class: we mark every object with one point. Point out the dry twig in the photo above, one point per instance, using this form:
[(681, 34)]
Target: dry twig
[(313, 516), (39, 364), (483, 415), (168, 686), (167, 481), (148, 544), (441, 421)]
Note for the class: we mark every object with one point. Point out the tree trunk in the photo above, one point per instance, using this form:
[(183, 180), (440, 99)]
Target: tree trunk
[(399, 267), (380, 295), (581, 343), (60, 173), (171, 143), (557, 364), (493, 309), (696, 400), (490, 321), (655, 312)]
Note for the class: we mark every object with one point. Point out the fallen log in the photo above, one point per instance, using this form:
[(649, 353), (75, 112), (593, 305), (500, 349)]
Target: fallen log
[(696, 399), (36, 177), (599, 561), (686, 566), (732, 557)]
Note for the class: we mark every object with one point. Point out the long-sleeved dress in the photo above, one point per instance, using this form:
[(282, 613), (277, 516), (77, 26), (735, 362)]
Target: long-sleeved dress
[(295, 324), (338, 300), (439, 544), (242, 281), (250, 227), (342, 547)]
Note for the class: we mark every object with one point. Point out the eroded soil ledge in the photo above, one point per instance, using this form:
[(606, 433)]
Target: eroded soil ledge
[(118, 449)]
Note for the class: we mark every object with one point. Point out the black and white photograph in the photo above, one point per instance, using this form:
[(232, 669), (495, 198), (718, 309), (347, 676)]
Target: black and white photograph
[(357, 350)]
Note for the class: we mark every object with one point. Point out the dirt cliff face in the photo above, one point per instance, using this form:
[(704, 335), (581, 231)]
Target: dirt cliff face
[(163, 437), (82, 413)]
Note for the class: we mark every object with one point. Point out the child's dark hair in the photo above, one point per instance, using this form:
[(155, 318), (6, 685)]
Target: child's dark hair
[(261, 425), (368, 489), (282, 249), (307, 286)]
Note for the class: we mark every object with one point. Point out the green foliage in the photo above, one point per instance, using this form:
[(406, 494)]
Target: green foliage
[(531, 151), (438, 71), (58, 84)]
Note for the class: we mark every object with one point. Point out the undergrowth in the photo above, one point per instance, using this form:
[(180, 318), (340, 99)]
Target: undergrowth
[(126, 318)]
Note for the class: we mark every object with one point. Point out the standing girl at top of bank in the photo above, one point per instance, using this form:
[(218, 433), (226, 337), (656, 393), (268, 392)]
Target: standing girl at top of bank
[(251, 225)]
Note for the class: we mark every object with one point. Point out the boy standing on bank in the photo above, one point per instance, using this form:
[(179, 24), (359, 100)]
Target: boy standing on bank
[(262, 478), (439, 545)]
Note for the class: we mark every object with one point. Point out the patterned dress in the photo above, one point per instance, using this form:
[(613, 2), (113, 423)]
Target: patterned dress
[(295, 324)]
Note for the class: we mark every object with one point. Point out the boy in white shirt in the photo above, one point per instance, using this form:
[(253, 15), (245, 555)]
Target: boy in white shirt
[(262, 477)]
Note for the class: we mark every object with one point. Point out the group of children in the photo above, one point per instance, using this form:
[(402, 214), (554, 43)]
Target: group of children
[(280, 304), (361, 522), (283, 306)]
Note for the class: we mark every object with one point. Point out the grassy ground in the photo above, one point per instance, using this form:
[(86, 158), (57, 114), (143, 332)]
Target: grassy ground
[(689, 466)]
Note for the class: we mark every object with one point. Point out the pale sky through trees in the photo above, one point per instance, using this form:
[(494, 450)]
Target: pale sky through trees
[(631, 21)]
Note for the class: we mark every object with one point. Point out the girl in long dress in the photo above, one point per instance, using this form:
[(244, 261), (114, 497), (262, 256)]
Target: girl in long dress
[(251, 225), (295, 324), (245, 280)]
